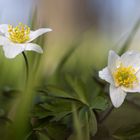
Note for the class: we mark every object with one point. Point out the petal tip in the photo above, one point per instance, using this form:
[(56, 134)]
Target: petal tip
[(117, 96), (100, 73), (48, 30), (116, 105), (111, 52), (41, 51)]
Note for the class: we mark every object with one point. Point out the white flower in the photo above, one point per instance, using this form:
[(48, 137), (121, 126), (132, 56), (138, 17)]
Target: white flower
[(123, 74), (17, 39)]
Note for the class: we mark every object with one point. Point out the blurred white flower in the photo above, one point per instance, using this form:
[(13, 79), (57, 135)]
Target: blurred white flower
[(16, 40), (123, 74)]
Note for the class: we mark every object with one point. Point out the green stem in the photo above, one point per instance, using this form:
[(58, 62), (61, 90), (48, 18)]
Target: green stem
[(27, 66), (106, 114), (23, 105)]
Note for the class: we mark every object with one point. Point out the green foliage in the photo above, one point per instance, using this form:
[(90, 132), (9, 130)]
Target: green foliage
[(76, 103)]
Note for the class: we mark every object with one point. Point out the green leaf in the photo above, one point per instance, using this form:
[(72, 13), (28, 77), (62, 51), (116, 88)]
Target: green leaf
[(82, 115), (128, 133), (77, 125), (99, 103), (85, 123), (87, 131), (92, 123), (40, 112), (59, 116), (59, 108), (79, 87), (58, 92)]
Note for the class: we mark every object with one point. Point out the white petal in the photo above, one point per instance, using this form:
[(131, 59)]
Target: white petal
[(136, 86), (113, 61), (106, 75), (4, 40), (33, 47), (117, 96), (4, 28), (11, 50), (131, 58), (37, 33), (134, 89)]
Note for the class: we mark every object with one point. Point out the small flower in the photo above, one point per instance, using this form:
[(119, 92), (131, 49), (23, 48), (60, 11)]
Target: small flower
[(16, 40), (123, 74)]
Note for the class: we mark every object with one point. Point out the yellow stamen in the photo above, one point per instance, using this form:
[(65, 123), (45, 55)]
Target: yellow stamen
[(19, 34), (125, 76)]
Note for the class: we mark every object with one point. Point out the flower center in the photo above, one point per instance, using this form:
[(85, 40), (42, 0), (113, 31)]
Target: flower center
[(19, 34), (125, 76)]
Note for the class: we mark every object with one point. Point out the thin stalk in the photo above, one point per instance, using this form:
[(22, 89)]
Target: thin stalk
[(27, 66), (106, 114)]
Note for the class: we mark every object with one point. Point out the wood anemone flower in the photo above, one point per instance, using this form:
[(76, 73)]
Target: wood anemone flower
[(16, 40), (123, 74)]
